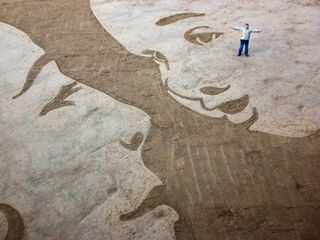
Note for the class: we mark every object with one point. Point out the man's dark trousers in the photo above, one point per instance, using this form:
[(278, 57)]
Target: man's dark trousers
[(246, 44)]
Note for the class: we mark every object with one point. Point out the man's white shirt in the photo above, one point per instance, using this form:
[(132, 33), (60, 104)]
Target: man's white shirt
[(246, 32)]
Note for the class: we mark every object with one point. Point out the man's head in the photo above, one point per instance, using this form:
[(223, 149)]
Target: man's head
[(246, 25)]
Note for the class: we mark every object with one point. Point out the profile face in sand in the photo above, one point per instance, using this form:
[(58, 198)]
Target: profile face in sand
[(196, 51), (68, 176)]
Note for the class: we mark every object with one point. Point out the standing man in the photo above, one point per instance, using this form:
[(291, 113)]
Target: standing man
[(246, 32)]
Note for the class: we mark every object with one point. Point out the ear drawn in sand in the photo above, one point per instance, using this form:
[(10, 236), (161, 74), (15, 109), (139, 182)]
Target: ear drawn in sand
[(15, 222)]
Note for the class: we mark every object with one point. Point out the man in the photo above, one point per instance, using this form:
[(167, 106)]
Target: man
[(245, 38)]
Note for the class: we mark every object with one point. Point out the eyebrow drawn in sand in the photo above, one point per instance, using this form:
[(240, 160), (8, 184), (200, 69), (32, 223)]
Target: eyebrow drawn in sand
[(177, 17)]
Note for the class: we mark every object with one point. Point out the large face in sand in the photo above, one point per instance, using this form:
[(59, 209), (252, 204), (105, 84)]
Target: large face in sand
[(195, 48), (61, 163)]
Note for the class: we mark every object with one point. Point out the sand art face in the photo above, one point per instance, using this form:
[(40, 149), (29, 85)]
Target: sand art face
[(195, 49), (69, 177)]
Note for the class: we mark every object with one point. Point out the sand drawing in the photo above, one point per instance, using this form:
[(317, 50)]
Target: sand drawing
[(220, 154)]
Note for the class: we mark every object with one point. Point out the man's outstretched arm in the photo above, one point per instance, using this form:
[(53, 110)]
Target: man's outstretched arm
[(256, 30), (237, 28)]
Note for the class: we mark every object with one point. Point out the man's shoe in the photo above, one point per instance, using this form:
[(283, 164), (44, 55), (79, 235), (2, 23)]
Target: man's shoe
[(239, 55), (247, 55)]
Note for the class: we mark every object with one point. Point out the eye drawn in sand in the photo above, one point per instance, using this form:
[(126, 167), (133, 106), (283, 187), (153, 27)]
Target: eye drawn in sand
[(201, 38), (59, 100)]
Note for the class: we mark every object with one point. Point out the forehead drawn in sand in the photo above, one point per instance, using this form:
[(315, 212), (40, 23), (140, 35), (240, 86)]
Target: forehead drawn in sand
[(195, 49), (67, 162)]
